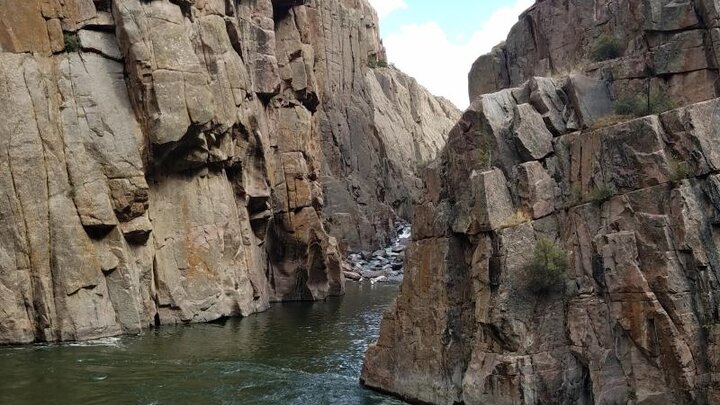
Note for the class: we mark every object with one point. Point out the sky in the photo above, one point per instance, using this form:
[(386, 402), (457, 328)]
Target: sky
[(437, 42)]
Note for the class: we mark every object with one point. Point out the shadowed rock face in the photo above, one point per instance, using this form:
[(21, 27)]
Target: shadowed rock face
[(176, 163), (669, 46), (636, 316)]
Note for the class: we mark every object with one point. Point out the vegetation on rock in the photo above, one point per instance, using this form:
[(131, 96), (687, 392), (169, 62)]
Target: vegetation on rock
[(597, 195), (374, 64), (485, 155), (606, 47), (642, 105), (518, 218), (72, 42), (546, 271), (679, 170)]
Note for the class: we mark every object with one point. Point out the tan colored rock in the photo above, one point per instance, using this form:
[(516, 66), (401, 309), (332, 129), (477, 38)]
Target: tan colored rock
[(176, 167), (24, 28)]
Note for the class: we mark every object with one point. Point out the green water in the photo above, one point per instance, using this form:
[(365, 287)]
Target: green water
[(299, 353)]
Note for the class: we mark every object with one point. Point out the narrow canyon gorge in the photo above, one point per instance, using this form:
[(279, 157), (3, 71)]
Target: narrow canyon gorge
[(174, 162)]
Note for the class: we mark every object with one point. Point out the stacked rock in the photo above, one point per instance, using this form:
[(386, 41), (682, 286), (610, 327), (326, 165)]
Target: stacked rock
[(382, 265)]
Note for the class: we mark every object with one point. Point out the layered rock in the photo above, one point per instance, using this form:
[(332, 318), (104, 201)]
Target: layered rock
[(665, 46), (633, 206), (170, 161)]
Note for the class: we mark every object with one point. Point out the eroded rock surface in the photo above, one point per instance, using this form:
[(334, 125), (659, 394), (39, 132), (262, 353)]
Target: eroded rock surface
[(174, 161), (633, 206), (631, 203), (669, 46)]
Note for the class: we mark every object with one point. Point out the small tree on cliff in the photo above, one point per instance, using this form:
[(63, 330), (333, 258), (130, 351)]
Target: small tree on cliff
[(546, 271), (606, 47)]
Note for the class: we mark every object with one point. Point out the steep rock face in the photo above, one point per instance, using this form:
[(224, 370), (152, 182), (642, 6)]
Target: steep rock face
[(671, 47), (633, 206), (393, 129), (377, 125), (167, 166)]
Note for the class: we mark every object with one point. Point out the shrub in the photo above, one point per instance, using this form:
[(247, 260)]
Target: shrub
[(606, 47), (547, 268), (629, 106), (374, 63), (598, 195), (679, 170), (518, 218), (642, 105), (601, 194), (72, 42), (485, 157)]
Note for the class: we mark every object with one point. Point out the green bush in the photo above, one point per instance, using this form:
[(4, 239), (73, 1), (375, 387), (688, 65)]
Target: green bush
[(547, 268), (601, 194), (72, 42), (629, 106), (642, 105), (679, 170), (606, 47), (374, 64), (598, 195), (485, 157)]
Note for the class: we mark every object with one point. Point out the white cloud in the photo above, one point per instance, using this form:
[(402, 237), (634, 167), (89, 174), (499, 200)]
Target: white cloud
[(425, 52), (386, 7)]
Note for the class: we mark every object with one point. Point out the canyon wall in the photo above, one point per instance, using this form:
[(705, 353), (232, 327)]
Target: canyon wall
[(565, 254), (176, 161), (669, 46)]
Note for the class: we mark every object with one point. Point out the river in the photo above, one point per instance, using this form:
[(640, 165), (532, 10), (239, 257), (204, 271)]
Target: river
[(294, 353)]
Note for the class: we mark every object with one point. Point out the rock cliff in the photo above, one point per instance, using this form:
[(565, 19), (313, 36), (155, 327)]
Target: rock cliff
[(176, 161), (669, 46), (564, 254)]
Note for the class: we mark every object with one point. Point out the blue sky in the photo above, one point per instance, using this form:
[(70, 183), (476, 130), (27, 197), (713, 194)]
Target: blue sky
[(437, 42)]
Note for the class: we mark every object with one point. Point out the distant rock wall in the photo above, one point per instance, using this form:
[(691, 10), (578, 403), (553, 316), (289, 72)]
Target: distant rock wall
[(671, 47), (176, 161)]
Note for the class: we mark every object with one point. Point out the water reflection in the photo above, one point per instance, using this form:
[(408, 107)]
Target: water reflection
[(299, 353)]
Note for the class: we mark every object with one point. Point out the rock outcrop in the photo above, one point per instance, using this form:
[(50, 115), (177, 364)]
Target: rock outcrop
[(629, 310), (634, 206), (176, 161), (667, 46)]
